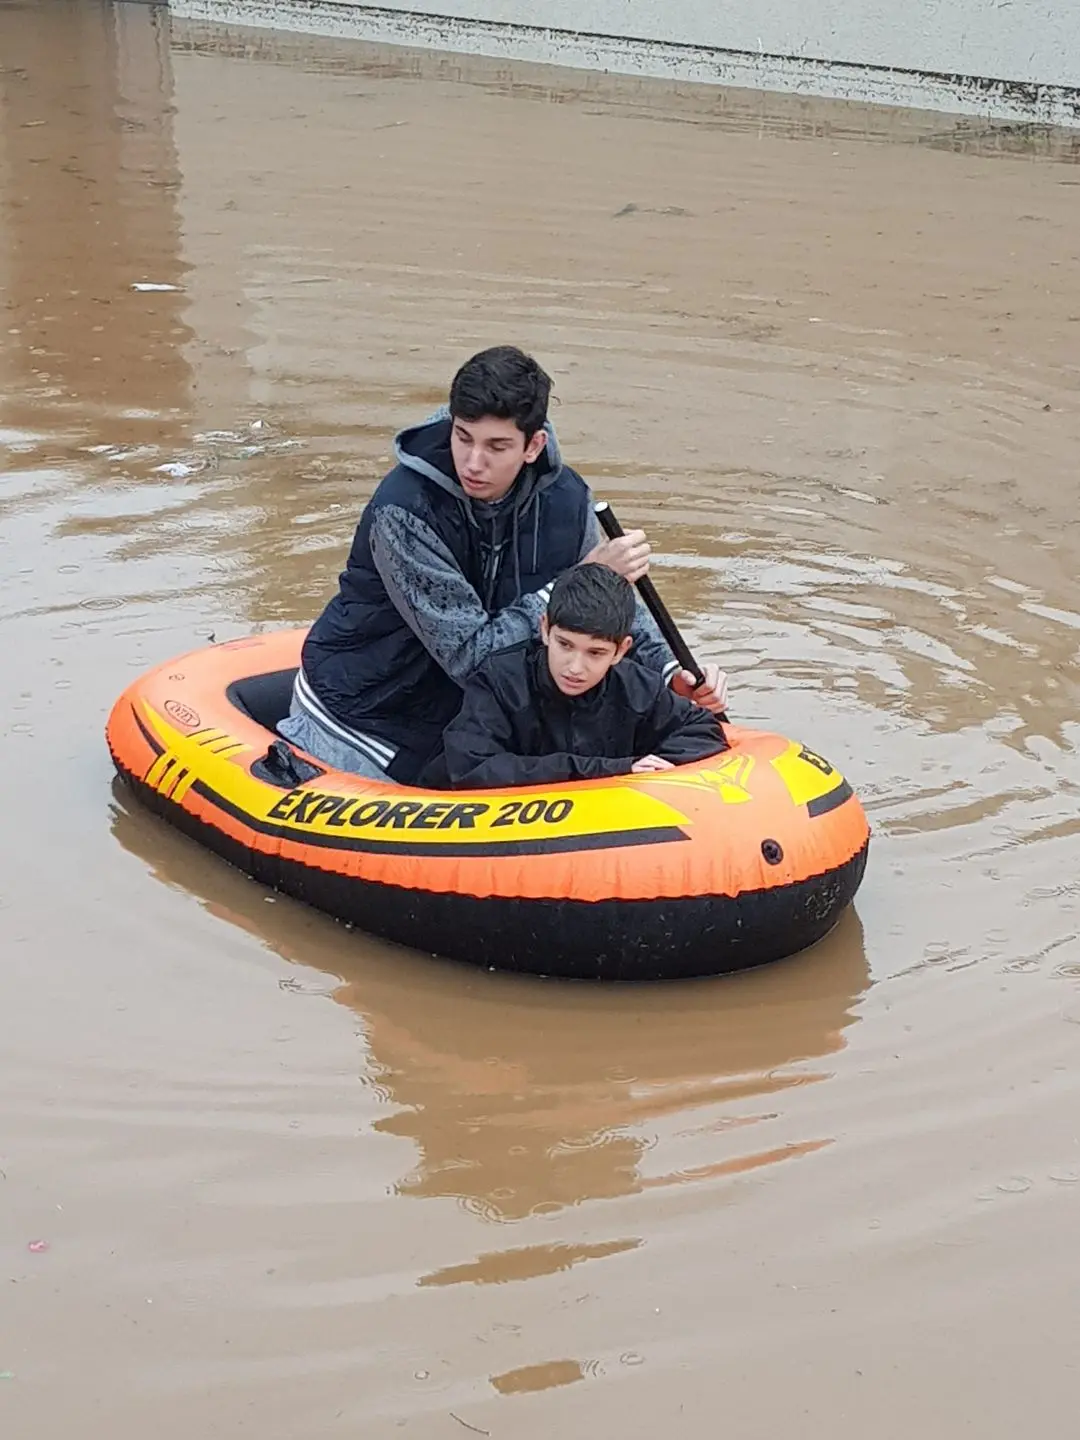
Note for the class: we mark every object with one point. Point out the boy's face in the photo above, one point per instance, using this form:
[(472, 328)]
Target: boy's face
[(488, 455), (578, 662)]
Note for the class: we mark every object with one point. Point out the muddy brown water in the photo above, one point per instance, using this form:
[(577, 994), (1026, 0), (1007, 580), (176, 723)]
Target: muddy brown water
[(296, 1183)]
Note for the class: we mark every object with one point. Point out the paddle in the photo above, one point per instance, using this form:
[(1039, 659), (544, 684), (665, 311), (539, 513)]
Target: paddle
[(656, 607)]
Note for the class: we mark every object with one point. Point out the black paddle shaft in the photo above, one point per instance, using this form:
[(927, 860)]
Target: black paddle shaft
[(657, 609)]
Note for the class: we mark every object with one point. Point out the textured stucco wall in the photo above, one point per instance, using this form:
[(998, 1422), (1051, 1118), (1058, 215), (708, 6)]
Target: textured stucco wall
[(1032, 40), (1011, 59)]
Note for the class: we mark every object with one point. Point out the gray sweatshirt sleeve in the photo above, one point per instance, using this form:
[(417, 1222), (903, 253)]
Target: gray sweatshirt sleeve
[(650, 647), (444, 612)]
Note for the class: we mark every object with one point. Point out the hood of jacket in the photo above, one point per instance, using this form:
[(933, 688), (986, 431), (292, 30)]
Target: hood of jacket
[(425, 449)]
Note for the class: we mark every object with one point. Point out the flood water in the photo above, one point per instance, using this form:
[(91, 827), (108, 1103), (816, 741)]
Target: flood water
[(259, 1175)]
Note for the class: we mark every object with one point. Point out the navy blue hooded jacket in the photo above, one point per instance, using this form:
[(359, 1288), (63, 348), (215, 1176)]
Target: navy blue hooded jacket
[(436, 582)]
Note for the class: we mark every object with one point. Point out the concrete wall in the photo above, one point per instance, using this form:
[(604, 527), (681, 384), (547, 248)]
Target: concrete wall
[(1009, 59), (1029, 40)]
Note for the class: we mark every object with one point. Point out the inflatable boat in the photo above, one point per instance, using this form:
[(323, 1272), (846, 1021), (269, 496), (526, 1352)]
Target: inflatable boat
[(717, 866)]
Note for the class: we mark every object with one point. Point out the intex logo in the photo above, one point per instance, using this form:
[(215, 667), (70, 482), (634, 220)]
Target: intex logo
[(182, 714)]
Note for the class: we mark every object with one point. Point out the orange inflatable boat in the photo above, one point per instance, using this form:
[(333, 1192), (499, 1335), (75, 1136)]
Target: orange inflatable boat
[(716, 866)]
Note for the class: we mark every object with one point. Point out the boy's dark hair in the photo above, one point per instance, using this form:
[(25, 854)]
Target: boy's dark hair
[(593, 600), (503, 382)]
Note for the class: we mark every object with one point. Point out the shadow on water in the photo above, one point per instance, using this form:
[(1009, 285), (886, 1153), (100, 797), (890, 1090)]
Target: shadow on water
[(524, 1097)]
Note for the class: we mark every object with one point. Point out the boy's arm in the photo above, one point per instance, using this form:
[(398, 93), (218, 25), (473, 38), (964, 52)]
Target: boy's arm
[(433, 597), (478, 749), (676, 729), (444, 612)]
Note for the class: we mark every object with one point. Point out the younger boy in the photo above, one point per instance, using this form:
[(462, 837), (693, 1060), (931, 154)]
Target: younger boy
[(571, 706)]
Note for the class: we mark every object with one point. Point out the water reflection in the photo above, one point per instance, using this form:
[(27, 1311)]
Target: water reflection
[(1025, 140), (89, 211), (756, 112), (524, 1098)]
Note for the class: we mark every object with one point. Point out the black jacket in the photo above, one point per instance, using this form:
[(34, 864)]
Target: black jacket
[(516, 727), (436, 583)]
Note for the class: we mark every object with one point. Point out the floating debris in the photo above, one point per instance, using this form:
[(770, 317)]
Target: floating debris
[(474, 1428), (181, 469)]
